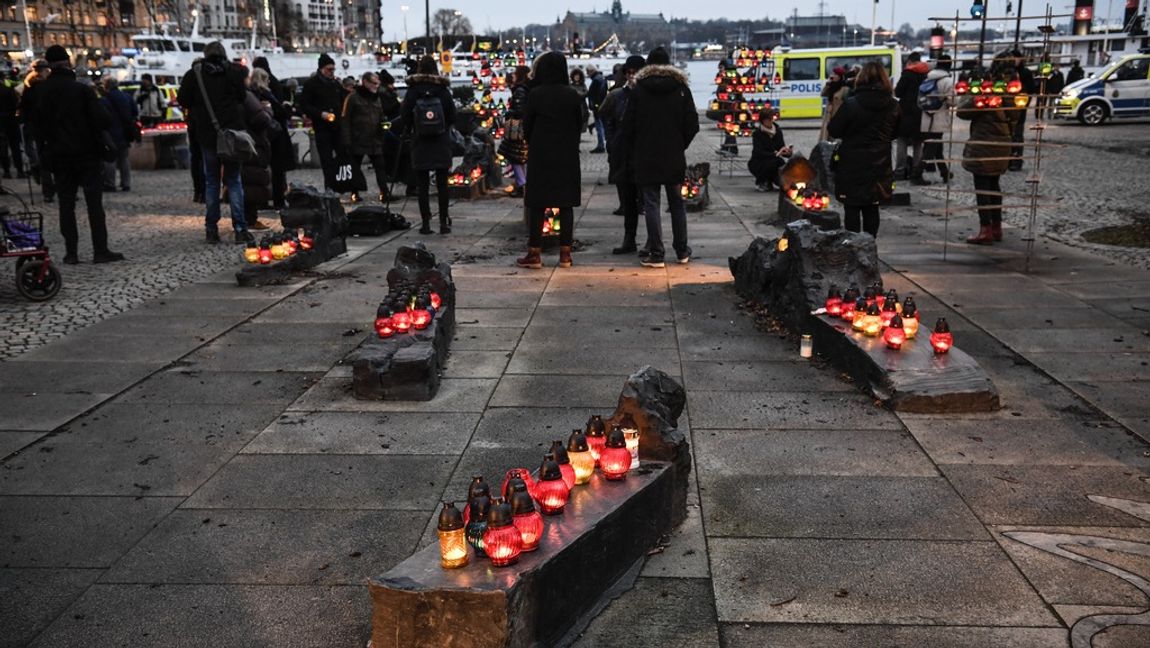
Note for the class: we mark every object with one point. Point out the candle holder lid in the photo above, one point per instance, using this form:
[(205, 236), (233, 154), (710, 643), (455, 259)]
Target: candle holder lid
[(559, 451), (549, 470), (500, 513), (616, 439), (577, 442), (595, 426), (941, 326), (521, 502), (450, 518)]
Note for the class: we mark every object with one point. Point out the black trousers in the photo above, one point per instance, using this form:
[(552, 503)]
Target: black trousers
[(423, 181), (989, 206), (868, 215), (72, 176), (11, 132), (535, 217), (377, 163), (1018, 136), (765, 169), (629, 198), (196, 160), (326, 143), (932, 152)]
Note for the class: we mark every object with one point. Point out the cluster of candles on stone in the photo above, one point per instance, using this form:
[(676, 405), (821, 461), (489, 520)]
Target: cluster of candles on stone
[(276, 247), (406, 308), (505, 525), (808, 198), (873, 313)]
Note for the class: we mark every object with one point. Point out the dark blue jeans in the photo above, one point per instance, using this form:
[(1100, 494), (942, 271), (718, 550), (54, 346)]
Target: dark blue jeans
[(650, 198), (235, 185)]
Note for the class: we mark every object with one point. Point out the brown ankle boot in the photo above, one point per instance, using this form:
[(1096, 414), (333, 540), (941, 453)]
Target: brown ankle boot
[(532, 259), (984, 236), (996, 231), (564, 256)]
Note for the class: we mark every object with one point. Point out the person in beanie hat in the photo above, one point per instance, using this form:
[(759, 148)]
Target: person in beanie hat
[(660, 123), (619, 174), (223, 92), (322, 101), (69, 122)]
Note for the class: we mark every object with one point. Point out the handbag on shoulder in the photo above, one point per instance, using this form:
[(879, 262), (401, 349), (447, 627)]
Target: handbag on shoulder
[(231, 145)]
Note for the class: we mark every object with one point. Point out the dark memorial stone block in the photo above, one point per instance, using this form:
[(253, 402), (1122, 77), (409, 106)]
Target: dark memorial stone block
[(406, 366), (317, 212), (588, 555), (654, 402), (791, 276), (545, 598)]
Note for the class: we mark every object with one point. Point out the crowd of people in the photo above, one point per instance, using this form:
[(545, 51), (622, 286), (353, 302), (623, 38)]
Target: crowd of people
[(866, 114)]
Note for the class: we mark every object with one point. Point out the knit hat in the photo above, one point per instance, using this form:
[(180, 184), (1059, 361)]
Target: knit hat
[(839, 70), (658, 56), (385, 78), (56, 54), (634, 63), (325, 60)]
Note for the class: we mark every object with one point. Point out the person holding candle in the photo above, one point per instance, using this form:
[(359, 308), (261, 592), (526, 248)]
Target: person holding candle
[(769, 151), (321, 100)]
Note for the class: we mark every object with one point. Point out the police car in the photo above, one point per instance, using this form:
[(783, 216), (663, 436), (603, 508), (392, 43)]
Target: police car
[(1120, 90)]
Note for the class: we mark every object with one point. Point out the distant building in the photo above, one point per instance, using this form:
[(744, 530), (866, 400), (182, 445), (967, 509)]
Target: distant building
[(587, 30), (805, 32)]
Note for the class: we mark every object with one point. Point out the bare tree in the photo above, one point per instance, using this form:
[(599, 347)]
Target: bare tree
[(450, 21)]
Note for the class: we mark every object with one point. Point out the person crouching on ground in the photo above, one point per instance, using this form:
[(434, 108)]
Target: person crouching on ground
[(769, 151), (660, 123), (429, 111), (867, 124), (552, 123)]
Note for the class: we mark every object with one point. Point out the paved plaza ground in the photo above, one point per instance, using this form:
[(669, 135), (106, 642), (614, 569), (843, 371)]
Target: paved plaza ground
[(184, 465)]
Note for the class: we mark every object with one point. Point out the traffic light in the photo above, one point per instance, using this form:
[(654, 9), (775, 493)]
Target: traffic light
[(978, 9)]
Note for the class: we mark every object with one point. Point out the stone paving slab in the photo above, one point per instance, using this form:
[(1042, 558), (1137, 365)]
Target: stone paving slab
[(652, 614), (13, 441), (622, 317), (516, 318), (843, 453), (1065, 582), (1094, 340), (685, 555), (21, 377), (366, 433), (208, 616), (272, 547), (126, 423), (871, 581), (1030, 442), (1090, 367), (599, 393), (485, 338), (410, 483), (455, 395), (161, 327), (1053, 495), (30, 599), (476, 364), (189, 386), (786, 411), (737, 376), (816, 506), (46, 531), (595, 334), (530, 427), (82, 347), (235, 355), (588, 358), (1041, 319), (867, 636), (45, 411)]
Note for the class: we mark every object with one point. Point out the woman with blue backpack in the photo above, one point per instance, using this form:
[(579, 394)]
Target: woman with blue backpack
[(429, 113)]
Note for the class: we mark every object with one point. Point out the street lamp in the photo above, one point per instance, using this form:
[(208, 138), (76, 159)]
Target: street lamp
[(404, 9)]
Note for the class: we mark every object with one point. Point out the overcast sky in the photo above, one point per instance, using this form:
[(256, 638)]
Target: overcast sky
[(498, 15)]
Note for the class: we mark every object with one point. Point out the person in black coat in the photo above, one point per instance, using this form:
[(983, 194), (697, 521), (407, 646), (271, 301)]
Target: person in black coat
[(223, 95), (552, 123), (430, 151), (769, 151), (909, 133), (10, 129), (283, 157), (321, 100), (612, 112), (660, 123), (1029, 88), (123, 130), (1075, 73), (867, 123), (69, 124)]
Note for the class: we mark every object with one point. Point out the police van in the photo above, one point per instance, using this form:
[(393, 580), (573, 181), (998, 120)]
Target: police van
[(1122, 90), (801, 74)]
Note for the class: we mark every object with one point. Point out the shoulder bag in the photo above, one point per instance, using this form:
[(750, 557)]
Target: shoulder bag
[(231, 145)]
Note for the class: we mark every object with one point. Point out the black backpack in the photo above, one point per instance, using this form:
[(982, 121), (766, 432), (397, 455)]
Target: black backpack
[(429, 119)]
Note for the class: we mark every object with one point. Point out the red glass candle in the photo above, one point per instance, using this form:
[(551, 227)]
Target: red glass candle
[(436, 300), (941, 339), (615, 460), (306, 241), (383, 327), (869, 295), (420, 318), (520, 473), (596, 435), (265, 253), (401, 322), (526, 519), (551, 490), (834, 302), (894, 335), (889, 311), (566, 470), (502, 540)]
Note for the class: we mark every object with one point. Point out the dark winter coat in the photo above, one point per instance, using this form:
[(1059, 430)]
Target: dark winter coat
[(319, 95), (361, 129), (224, 83), (428, 153), (907, 93), (122, 110), (515, 150), (612, 112), (283, 153), (553, 123), (659, 125), (596, 93), (867, 124), (765, 146), (980, 155), (69, 120), (1055, 83), (9, 102), (1076, 73), (256, 173)]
